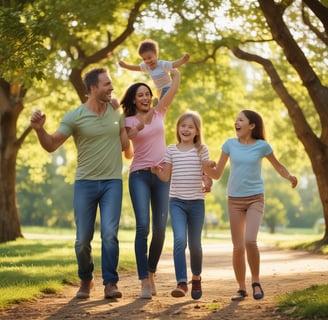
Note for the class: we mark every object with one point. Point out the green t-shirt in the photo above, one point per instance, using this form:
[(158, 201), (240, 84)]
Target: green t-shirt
[(97, 139)]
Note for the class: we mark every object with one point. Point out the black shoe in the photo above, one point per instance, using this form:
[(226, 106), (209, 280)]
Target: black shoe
[(257, 296), (196, 289), (241, 295)]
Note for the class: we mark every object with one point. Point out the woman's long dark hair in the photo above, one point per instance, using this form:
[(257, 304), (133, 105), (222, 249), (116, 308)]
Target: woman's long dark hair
[(127, 102)]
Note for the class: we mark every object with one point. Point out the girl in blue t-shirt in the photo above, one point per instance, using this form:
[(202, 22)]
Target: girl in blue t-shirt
[(246, 194)]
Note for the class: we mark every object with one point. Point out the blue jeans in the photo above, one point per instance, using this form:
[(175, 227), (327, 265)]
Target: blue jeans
[(147, 189), (163, 91), (187, 219), (88, 194)]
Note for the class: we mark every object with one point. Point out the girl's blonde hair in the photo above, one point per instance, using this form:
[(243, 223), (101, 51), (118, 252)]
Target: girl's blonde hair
[(197, 120)]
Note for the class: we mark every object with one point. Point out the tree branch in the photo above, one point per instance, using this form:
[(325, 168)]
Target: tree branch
[(304, 131), (323, 36), (319, 10), (297, 59)]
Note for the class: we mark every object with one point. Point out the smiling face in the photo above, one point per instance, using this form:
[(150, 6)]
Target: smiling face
[(187, 130), (150, 58), (143, 99), (103, 90), (243, 127)]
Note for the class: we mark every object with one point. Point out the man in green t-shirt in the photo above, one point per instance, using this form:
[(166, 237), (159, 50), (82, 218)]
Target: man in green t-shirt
[(99, 134)]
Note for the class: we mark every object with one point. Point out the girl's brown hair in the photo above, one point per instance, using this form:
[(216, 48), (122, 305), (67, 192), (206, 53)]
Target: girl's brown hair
[(254, 118)]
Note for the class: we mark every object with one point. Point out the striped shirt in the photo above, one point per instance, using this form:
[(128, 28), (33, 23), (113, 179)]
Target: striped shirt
[(186, 178)]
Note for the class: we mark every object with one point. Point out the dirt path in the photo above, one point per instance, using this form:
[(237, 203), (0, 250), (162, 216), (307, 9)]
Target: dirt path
[(282, 271)]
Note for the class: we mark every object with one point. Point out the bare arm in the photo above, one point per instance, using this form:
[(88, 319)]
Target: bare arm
[(165, 102), (178, 63), (164, 172), (49, 142), (126, 144), (282, 170), (131, 67), (215, 170)]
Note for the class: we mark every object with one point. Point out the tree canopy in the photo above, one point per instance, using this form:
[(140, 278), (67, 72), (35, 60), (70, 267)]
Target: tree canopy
[(56, 42)]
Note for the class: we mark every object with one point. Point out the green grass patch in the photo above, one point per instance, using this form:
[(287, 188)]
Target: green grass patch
[(31, 267), (311, 303), (44, 261)]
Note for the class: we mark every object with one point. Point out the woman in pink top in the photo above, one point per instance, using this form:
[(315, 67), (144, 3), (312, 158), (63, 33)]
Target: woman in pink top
[(145, 127)]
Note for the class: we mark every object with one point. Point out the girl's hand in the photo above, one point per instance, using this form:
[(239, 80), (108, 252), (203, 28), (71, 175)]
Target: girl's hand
[(208, 164), (207, 183), (156, 169)]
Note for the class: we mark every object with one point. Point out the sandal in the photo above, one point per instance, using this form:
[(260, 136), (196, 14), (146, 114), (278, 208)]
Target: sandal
[(257, 296), (241, 295)]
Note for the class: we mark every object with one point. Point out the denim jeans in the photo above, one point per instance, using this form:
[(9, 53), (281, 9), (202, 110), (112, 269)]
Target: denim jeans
[(163, 91), (88, 194), (147, 189), (187, 219)]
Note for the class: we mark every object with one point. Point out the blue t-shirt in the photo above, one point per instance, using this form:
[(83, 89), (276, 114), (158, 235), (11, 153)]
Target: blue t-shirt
[(245, 166)]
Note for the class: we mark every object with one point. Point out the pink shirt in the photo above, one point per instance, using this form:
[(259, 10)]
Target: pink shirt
[(149, 145)]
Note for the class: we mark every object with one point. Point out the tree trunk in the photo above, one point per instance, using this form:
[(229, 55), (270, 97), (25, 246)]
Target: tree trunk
[(9, 218), (316, 146), (10, 108)]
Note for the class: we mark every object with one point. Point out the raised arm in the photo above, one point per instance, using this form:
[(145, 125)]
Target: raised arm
[(215, 170), (131, 67), (165, 102), (178, 63), (282, 170), (48, 142)]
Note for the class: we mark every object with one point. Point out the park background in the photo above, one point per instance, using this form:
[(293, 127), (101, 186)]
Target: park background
[(50, 46), (269, 56)]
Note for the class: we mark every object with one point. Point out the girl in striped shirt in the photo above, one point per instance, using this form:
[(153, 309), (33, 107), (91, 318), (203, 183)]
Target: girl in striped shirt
[(182, 164)]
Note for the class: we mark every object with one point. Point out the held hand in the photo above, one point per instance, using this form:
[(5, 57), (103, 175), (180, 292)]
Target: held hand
[(207, 183), (156, 169), (132, 133), (208, 164), (37, 119)]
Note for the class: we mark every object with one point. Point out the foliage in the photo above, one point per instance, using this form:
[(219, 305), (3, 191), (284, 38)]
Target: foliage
[(56, 37), (47, 203), (23, 55), (275, 215), (311, 303)]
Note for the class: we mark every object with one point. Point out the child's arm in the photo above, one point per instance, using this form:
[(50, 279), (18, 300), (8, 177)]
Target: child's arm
[(214, 170), (282, 170), (178, 63), (129, 66), (163, 172)]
